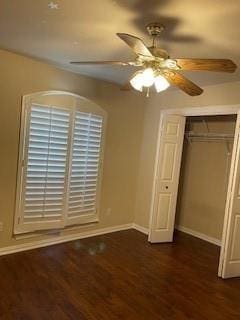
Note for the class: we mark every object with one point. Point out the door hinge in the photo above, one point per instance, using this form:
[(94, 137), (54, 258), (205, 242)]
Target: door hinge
[(23, 163), (18, 220)]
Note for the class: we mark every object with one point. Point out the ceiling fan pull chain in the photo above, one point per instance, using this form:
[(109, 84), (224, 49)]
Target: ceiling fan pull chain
[(148, 92)]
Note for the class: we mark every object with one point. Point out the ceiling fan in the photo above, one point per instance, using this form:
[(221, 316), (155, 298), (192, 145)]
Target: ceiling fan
[(158, 69)]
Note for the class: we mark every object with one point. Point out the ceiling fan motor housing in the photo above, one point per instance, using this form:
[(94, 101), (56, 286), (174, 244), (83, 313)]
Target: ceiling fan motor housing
[(155, 28)]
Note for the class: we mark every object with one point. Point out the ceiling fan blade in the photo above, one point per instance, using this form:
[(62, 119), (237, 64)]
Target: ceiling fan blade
[(119, 63), (135, 44), (221, 65), (183, 83)]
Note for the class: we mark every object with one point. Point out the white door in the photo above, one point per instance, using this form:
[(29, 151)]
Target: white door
[(230, 253), (167, 178)]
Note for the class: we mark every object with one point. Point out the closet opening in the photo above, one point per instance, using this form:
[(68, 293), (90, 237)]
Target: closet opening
[(204, 175), (205, 201)]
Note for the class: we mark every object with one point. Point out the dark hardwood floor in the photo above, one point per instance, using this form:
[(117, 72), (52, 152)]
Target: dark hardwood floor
[(118, 276)]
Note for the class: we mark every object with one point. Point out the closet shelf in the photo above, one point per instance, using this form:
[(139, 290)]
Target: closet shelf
[(209, 136)]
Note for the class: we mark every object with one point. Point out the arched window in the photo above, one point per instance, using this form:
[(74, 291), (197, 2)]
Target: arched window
[(61, 152)]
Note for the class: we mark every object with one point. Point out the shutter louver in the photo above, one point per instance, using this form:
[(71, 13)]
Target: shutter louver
[(46, 165), (85, 165)]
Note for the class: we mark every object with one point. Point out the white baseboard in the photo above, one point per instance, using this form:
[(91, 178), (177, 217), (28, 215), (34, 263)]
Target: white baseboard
[(92, 233), (199, 235), (140, 228), (61, 239)]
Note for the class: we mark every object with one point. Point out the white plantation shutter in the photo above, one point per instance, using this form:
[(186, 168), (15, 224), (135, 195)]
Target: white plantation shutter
[(84, 166), (45, 167), (59, 174)]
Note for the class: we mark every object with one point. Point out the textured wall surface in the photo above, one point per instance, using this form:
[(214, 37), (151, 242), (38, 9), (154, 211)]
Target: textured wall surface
[(20, 76)]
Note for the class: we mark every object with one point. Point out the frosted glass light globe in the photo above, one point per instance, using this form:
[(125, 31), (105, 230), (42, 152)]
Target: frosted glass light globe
[(137, 81), (148, 77), (161, 83)]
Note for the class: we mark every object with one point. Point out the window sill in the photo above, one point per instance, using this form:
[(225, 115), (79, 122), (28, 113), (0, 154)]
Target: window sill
[(55, 232)]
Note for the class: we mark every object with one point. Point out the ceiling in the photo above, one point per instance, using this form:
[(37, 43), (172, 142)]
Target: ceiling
[(85, 30)]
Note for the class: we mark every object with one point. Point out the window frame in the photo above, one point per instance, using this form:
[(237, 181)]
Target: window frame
[(78, 103)]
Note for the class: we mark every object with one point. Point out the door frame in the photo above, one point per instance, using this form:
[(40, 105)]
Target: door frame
[(198, 111)]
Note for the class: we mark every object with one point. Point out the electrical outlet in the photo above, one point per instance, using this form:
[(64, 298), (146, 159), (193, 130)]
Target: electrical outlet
[(1, 226)]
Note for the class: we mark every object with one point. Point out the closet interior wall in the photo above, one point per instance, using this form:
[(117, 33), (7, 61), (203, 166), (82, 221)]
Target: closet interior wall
[(204, 174)]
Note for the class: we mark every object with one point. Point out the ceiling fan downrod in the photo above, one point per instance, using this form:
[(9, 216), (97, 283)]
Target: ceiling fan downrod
[(155, 29)]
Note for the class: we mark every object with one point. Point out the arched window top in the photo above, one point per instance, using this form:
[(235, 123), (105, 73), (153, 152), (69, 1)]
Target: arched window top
[(63, 99)]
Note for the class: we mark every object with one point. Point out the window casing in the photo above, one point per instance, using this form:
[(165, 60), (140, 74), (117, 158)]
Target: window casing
[(60, 165)]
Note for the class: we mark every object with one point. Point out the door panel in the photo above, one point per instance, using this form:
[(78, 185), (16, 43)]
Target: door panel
[(230, 253), (162, 219), (235, 252), (165, 197), (169, 157)]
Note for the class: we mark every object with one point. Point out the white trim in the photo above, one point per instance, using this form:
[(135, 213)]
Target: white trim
[(199, 235), (140, 228), (229, 200), (225, 259), (61, 239), (203, 111)]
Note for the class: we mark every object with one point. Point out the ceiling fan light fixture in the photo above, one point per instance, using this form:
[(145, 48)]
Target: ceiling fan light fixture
[(148, 77), (161, 83), (137, 81), (142, 79)]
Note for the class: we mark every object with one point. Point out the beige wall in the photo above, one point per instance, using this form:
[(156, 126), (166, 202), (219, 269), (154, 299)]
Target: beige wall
[(20, 76), (203, 180), (223, 94), (130, 141)]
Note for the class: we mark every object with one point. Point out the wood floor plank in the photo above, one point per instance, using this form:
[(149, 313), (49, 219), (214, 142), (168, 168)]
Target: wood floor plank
[(118, 276)]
